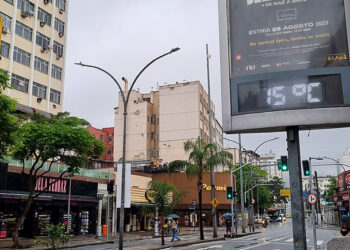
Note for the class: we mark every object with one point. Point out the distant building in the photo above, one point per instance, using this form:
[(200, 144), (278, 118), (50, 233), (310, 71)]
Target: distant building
[(345, 157), (33, 45), (106, 135), (269, 163), (160, 122), (247, 156)]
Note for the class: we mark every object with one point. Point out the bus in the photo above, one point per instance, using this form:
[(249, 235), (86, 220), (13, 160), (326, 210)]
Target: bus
[(274, 214)]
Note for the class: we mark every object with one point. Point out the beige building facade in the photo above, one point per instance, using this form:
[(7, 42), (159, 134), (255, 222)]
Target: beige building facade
[(33, 52), (160, 122)]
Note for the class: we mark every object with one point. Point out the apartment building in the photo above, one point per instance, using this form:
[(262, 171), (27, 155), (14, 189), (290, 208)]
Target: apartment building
[(248, 156), (159, 122), (106, 135), (33, 52), (269, 163)]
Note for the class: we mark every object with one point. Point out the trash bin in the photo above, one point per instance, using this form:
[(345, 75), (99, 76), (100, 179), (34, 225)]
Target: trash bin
[(104, 230)]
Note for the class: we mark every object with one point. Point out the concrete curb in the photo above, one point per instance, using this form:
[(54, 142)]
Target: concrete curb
[(188, 243)]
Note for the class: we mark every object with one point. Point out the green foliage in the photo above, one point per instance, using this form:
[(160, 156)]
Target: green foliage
[(166, 196), (8, 122), (60, 138), (4, 80), (278, 184), (202, 157), (56, 236), (329, 192)]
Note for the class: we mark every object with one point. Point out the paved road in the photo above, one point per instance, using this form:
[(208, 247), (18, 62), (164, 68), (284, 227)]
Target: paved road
[(276, 236)]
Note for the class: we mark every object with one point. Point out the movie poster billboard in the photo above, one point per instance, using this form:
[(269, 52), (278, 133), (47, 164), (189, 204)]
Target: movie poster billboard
[(268, 36)]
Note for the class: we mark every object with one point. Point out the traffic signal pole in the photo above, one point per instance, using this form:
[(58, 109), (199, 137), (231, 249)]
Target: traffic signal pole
[(298, 218)]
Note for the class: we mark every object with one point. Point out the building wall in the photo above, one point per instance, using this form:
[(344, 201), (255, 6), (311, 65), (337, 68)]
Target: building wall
[(269, 162), (141, 123), (107, 136), (27, 98), (182, 183)]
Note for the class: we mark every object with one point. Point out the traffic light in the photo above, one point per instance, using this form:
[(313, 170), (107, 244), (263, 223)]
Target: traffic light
[(234, 194), (306, 167), (279, 164), (284, 163), (110, 187), (229, 192)]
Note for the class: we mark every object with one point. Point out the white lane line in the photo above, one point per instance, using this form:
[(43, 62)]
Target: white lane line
[(319, 242), (211, 247), (277, 239), (258, 245), (289, 240)]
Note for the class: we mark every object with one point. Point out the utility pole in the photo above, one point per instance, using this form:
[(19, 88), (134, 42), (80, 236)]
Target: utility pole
[(241, 181), (298, 222), (318, 199), (212, 173)]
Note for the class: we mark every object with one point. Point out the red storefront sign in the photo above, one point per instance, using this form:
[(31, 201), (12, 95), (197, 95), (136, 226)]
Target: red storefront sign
[(345, 197), (51, 185), (347, 179), (340, 180)]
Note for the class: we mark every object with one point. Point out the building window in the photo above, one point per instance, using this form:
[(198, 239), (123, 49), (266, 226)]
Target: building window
[(9, 1), (152, 136), (42, 40), (61, 4), (153, 119), (5, 49), (44, 17), (21, 56), (59, 25), (26, 6), (109, 152), (153, 152), (41, 65), (110, 138), (56, 72), (19, 83), (39, 90), (24, 31), (101, 137), (6, 21), (55, 96), (57, 48)]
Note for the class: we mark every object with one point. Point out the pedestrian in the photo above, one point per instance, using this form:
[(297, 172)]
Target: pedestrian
[(344, 230), (228, 227), (175, 230)]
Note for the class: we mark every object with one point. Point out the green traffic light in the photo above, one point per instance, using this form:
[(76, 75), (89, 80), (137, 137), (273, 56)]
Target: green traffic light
[(229, 196), (307, 172), (284, 168)]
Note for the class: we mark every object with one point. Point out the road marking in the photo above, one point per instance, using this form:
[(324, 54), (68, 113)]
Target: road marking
[(277, 239), (258, 245), (319, 242), (211, 247), (289, 240)]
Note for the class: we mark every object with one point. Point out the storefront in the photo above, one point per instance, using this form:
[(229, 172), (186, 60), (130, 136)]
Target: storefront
[(342, 195), (189, 207), (50, 207)]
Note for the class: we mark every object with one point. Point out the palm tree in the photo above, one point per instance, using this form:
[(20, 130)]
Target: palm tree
[(202, 158), (166, 196)]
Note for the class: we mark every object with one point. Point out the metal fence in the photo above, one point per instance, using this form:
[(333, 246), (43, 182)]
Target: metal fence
[(59, 168)]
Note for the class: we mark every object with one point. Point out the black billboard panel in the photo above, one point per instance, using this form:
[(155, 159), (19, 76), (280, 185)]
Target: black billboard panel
[(270, 36)]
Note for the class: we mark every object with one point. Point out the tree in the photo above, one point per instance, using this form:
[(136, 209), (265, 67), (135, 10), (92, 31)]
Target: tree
[(166, 197), (329, 192), (202, 158), (57, 236), (50, 140), (8, 122), (277, 185)]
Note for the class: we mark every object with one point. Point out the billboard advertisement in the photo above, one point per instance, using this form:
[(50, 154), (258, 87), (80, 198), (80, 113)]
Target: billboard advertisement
[(284, 63), (278, 35)]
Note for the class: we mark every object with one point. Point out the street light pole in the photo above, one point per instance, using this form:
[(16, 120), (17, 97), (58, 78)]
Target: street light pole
[(241, 181), (313, 205), (212, 173), (125, 104)]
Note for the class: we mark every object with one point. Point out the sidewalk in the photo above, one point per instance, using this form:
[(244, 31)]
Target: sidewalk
[(188, 235)]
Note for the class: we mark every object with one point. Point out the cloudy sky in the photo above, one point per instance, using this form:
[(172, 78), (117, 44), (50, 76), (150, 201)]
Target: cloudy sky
[(122, 36)]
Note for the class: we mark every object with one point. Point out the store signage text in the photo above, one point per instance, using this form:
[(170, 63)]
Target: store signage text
[(51, 185), (217, 188)]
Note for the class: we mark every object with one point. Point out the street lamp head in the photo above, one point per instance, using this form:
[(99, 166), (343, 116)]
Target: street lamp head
[(80, 64), (316, 158), (174, 50)]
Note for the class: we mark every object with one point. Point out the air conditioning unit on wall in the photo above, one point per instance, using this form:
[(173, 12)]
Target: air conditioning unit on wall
[(42, 24), (5, 30)]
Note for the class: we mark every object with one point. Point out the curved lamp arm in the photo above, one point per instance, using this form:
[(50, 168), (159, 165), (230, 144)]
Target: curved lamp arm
[(144, 68), (115, 80)]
